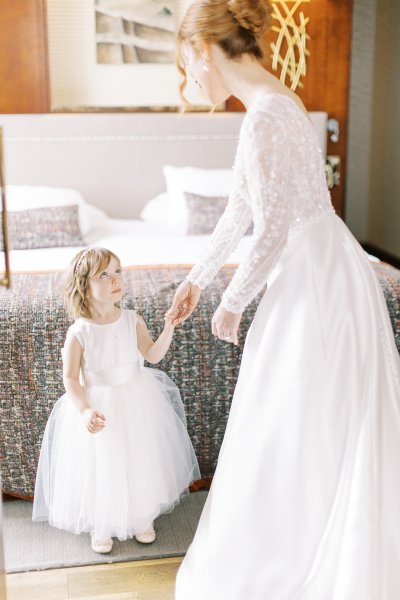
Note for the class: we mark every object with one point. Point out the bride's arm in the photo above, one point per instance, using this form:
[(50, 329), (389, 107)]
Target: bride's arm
[(230, 228), (267, 156)]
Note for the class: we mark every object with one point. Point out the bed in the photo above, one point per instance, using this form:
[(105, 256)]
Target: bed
[(82, 161)]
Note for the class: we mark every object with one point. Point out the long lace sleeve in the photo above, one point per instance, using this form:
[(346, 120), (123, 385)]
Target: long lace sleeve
[(230, 228), (266, 157)]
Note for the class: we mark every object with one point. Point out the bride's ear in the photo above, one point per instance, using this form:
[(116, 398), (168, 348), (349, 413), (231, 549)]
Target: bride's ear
[(216, 55), (205, 50)]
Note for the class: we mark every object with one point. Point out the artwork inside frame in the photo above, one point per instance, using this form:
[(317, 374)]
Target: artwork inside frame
[(79, 82), (135, 31)]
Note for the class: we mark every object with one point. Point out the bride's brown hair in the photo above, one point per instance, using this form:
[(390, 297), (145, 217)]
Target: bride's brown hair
[(235, 25)]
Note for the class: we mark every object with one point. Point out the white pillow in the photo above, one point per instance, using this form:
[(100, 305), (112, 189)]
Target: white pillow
[(156, 210), (205, 182), (24, 197)]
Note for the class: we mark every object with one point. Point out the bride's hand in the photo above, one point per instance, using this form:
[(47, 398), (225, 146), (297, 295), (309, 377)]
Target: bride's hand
[(225, 325), (185, 301)]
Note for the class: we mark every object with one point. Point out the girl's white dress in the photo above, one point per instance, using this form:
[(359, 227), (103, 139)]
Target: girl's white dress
[(114, 482), (305, 501)]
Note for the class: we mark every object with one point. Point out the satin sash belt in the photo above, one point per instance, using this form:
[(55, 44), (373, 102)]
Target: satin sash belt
[(116, 376)]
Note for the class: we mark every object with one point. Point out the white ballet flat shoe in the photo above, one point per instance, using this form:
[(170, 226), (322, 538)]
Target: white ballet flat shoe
[(101, 546), (147, 537)]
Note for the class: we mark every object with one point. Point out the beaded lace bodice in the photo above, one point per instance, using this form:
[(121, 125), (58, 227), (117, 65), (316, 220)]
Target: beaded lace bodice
[(278, 183)]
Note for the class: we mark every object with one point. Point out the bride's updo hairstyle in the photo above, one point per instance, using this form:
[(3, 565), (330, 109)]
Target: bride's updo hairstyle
[(234, 25)]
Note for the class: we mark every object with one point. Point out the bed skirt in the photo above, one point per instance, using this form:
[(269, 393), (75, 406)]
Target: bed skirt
[(33, 328)]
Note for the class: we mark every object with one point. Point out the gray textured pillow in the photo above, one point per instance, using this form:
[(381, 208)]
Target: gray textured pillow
[(47, 227), (204, 213)]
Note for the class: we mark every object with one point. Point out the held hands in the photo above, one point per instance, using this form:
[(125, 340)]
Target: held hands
[(95, 421), (225, 325), (185, 301), (170, 317)]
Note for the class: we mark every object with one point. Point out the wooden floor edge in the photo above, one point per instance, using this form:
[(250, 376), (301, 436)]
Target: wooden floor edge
[(136, 564)]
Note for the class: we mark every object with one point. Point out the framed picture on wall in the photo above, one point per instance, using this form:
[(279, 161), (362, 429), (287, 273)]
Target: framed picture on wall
[(135, 32), (115, 54)]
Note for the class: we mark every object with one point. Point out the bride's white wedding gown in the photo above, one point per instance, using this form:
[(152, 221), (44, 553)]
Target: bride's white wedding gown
[(305, 501)]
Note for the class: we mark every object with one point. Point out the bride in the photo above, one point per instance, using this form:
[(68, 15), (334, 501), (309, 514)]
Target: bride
[(305, 501)]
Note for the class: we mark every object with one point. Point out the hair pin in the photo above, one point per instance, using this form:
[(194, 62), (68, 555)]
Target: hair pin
[(82, 256)]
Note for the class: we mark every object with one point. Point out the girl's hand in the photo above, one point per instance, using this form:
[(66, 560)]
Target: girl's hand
[(95, 421), (225, 325), (170, 317), (185, 301)]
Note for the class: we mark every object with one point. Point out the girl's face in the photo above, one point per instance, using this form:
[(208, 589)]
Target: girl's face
[(200, 67), (107, 286)]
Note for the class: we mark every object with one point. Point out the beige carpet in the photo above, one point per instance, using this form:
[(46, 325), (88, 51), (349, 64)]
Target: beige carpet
[(33, 546)]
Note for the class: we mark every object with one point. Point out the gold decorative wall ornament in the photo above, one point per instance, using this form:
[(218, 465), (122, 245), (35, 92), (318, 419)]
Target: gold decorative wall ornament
[(5, 278), (294, 62)]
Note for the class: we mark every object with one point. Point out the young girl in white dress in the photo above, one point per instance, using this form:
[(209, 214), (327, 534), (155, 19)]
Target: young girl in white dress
[(115, 452)]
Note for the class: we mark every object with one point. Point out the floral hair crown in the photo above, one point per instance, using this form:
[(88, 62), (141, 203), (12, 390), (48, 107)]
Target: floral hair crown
[(82, 256)]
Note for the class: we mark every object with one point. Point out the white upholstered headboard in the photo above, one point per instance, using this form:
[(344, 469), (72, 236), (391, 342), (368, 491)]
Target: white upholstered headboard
[(115, 160)]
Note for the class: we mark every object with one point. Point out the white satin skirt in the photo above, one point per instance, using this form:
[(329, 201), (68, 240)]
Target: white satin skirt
[(117, 481), (305, 501)]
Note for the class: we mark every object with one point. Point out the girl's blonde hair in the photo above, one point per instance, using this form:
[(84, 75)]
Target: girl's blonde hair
[(85, 264), (235, 25)]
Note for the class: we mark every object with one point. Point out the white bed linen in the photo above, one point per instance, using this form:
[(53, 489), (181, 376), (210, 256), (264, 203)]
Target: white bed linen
[(134, 241)]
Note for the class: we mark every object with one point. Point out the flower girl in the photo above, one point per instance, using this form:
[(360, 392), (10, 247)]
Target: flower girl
[(115, 452)]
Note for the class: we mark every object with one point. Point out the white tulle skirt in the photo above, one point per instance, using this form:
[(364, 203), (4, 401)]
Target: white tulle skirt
[(117, 481), (305, 501)]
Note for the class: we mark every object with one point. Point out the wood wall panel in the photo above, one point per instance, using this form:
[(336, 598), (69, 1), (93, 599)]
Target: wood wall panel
[(24, 82), (337, 90), (326, 85)]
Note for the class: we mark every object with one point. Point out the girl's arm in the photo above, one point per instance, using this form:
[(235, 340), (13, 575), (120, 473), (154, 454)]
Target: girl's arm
[(72, 356), (152, 351)]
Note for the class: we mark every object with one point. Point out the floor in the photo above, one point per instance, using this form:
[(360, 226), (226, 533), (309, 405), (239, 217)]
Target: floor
[(135, 580)]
